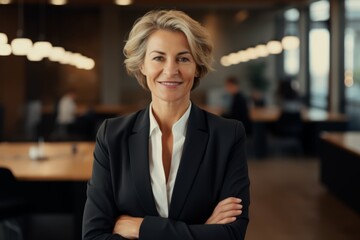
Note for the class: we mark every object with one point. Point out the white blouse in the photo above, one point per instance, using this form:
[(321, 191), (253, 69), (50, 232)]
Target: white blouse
[(163, 190)]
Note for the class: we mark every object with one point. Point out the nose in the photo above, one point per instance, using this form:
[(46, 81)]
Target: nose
[(171, 68)]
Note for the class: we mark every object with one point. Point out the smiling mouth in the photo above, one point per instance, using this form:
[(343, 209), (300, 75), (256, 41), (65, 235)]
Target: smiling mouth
[(170, 83)]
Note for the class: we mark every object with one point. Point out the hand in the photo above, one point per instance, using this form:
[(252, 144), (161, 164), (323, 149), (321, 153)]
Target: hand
[(226, 211), (128, 227)]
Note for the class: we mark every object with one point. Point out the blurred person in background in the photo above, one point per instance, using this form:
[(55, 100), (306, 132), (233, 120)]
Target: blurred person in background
[(172, 170), (66, 113), (239, 109), (288, 95)]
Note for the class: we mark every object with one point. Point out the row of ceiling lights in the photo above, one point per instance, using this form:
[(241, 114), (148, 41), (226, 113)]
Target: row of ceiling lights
[(42, 49), (64, 2), (261, 50)]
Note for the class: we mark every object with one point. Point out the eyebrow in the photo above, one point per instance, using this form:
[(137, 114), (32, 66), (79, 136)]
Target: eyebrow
[(162, 53)]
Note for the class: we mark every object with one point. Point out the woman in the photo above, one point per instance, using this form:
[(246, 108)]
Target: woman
[(170, 171)]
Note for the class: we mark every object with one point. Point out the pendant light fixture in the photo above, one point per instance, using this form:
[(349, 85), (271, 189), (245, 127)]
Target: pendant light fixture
[(290, 42), (41, 48), (58, 2), (21, 46), (123, 2), (274, 47), (3, 38), (5, 49)]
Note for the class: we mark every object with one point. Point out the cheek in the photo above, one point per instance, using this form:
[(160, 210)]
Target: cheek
[(190, 73), (150, 70)]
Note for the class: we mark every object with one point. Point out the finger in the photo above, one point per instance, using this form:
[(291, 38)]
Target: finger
[(229, 214), (229, 200), (227, 207), (227, 220), (230, 206), (232, 213)]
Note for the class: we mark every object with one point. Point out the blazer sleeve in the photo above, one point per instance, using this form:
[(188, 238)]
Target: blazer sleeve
[(236, 184), (100, 210)]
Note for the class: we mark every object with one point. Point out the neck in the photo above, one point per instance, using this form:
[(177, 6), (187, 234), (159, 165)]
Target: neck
[(167, 113)]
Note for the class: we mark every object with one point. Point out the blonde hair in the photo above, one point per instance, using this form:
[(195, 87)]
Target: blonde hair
[(172, 20)]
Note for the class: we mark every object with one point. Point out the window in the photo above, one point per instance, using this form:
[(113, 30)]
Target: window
[(319, 54), (352, 62), (291, 56)]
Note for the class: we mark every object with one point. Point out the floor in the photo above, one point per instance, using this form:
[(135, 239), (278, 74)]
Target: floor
[(287, 203)]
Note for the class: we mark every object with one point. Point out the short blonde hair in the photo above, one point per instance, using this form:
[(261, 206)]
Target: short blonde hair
[(172, 20)]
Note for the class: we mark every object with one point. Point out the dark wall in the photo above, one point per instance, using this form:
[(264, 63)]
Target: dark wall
[(77, 30), (100, 33)]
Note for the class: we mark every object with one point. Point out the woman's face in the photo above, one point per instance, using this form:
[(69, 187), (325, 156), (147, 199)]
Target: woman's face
[(169, 66)]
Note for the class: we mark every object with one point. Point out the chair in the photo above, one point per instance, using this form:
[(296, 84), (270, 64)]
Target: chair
[(287, 132), (12, 205)]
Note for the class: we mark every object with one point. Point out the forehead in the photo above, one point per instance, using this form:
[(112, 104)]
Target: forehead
[(166, 40)]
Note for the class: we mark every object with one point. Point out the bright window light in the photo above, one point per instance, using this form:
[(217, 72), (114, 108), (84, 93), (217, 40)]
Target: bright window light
[(320, 11)]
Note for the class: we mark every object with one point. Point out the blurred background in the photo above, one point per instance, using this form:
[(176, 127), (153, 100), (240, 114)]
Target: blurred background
[(296, 65)]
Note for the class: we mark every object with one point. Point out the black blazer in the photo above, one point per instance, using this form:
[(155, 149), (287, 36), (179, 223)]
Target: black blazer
[(213, 167)]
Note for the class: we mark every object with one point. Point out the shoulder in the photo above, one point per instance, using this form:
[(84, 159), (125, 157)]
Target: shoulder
[(119, 126), (222, 126)]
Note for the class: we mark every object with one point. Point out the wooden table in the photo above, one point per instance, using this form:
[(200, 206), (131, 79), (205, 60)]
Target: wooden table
[(314, 122), (272, 114), (340, 166), (56, 184), (349, 141), (60, 164)]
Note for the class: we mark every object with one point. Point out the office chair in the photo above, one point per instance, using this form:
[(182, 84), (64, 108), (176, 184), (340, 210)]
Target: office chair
[(12, 205), (287, 133)]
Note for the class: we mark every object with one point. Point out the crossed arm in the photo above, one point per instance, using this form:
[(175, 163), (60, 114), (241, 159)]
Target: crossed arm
[(225, 212), (228, 220)]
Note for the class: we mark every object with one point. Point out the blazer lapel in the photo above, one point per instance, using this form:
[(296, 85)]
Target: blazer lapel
[(193, 152), (139, 161)]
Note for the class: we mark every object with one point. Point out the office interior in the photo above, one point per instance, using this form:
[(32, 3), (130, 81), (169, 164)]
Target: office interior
[(304, 172)]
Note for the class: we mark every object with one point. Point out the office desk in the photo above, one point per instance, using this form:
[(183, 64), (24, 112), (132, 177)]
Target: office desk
[(272, 114), (56, 184), (60, 164), (340, 166), (314, 122)]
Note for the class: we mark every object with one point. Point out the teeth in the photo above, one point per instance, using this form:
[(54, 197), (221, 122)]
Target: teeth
[(170, 83)]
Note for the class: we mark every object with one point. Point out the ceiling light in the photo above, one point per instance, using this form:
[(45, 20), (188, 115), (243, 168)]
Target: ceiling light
[(261, 50), (34, 56), (56, 54), (225, 61), (58, 2), (244, 57), (21, 46), (3, 38), (5, 1), (123, 2), (5, 49), (251, 53), (43, 48), (274, 47), (290, 42)]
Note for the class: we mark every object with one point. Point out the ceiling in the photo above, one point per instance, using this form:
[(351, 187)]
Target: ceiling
[(190, 3)]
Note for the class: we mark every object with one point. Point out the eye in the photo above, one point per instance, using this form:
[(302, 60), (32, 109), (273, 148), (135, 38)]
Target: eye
[(183, 59), (158, 58)]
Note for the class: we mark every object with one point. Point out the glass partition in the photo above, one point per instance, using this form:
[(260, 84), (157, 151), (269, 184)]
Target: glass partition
[(319, 53), (352, 62)]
